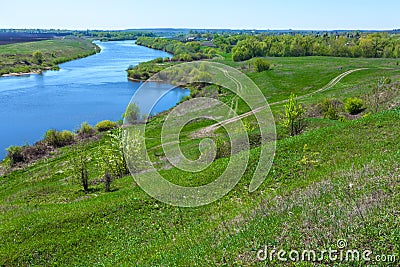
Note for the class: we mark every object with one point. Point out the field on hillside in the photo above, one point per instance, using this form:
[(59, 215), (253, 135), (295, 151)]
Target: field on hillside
[(305, 75), (20, 58), (338, 180)]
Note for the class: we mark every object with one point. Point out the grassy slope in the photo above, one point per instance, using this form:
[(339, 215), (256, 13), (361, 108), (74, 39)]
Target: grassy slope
[(303, 75), (46, 219), (16, 58)]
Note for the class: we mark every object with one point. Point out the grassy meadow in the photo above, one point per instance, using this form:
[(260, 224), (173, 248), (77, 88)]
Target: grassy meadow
[(20, 57), (345, 185)]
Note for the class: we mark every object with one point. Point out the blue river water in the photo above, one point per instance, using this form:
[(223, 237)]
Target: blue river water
[(91, 89)]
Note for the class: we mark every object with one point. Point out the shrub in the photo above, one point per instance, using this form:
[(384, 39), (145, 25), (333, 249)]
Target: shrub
[(38, 57), (331, 113), (14, 153), (353, 105), (261, 65), (86, 130), (158, 60), (105, 125), (37, 151), (134, 74), (329, 108), (56, 138), (66, 138)]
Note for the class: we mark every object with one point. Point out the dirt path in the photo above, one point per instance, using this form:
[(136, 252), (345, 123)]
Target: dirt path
[(215, 126)]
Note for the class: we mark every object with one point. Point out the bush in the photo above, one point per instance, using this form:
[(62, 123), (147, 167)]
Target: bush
[(353, 105), (38, 57), (158, 60), (14, 153), (86, 130), (56, 138), (329, 108), (106, 125), (37, 151), (261, 65), (331, 113)]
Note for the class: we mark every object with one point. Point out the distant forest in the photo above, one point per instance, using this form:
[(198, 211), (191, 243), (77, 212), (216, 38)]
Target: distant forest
[(375, 45), (8, 36)]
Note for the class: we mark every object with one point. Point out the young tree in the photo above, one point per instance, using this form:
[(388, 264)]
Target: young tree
[(375, 96), (112, 164), (294, 116), (79, 166), (132, 114), (38, 57)]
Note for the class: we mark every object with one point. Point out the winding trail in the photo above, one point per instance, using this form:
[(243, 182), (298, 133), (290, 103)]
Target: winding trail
[(208, 129)]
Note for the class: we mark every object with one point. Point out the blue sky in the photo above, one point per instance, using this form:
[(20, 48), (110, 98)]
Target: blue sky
[(234, 14)]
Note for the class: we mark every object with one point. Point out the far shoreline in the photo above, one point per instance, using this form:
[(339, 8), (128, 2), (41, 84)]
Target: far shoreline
[(18, 74), (55, 67)]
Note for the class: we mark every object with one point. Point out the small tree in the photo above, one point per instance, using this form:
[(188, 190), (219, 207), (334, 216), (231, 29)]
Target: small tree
[(294, 116), (79, 166), (38, 57), (375, 96), (113, 163)]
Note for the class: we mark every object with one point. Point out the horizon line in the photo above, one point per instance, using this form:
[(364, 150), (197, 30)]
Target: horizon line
[(203, 29)]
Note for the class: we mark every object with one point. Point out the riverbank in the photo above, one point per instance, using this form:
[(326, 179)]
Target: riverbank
[(35, 57), (91, 89), (182, 52), (16, 74)]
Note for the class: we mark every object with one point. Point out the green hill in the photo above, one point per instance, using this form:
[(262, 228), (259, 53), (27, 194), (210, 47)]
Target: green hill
[(338, 180)]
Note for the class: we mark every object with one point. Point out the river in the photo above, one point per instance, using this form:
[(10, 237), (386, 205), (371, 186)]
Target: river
[(90, 89)]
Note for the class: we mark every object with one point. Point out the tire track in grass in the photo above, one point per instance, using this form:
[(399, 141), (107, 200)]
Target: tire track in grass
[(333, 82)]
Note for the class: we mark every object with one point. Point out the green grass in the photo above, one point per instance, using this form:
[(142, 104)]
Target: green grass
[(303, 75), (351, 193), (47, 221), (17, 58)]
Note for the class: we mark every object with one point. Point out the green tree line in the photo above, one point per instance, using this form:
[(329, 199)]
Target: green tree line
[(376, 45), (182, 51)]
